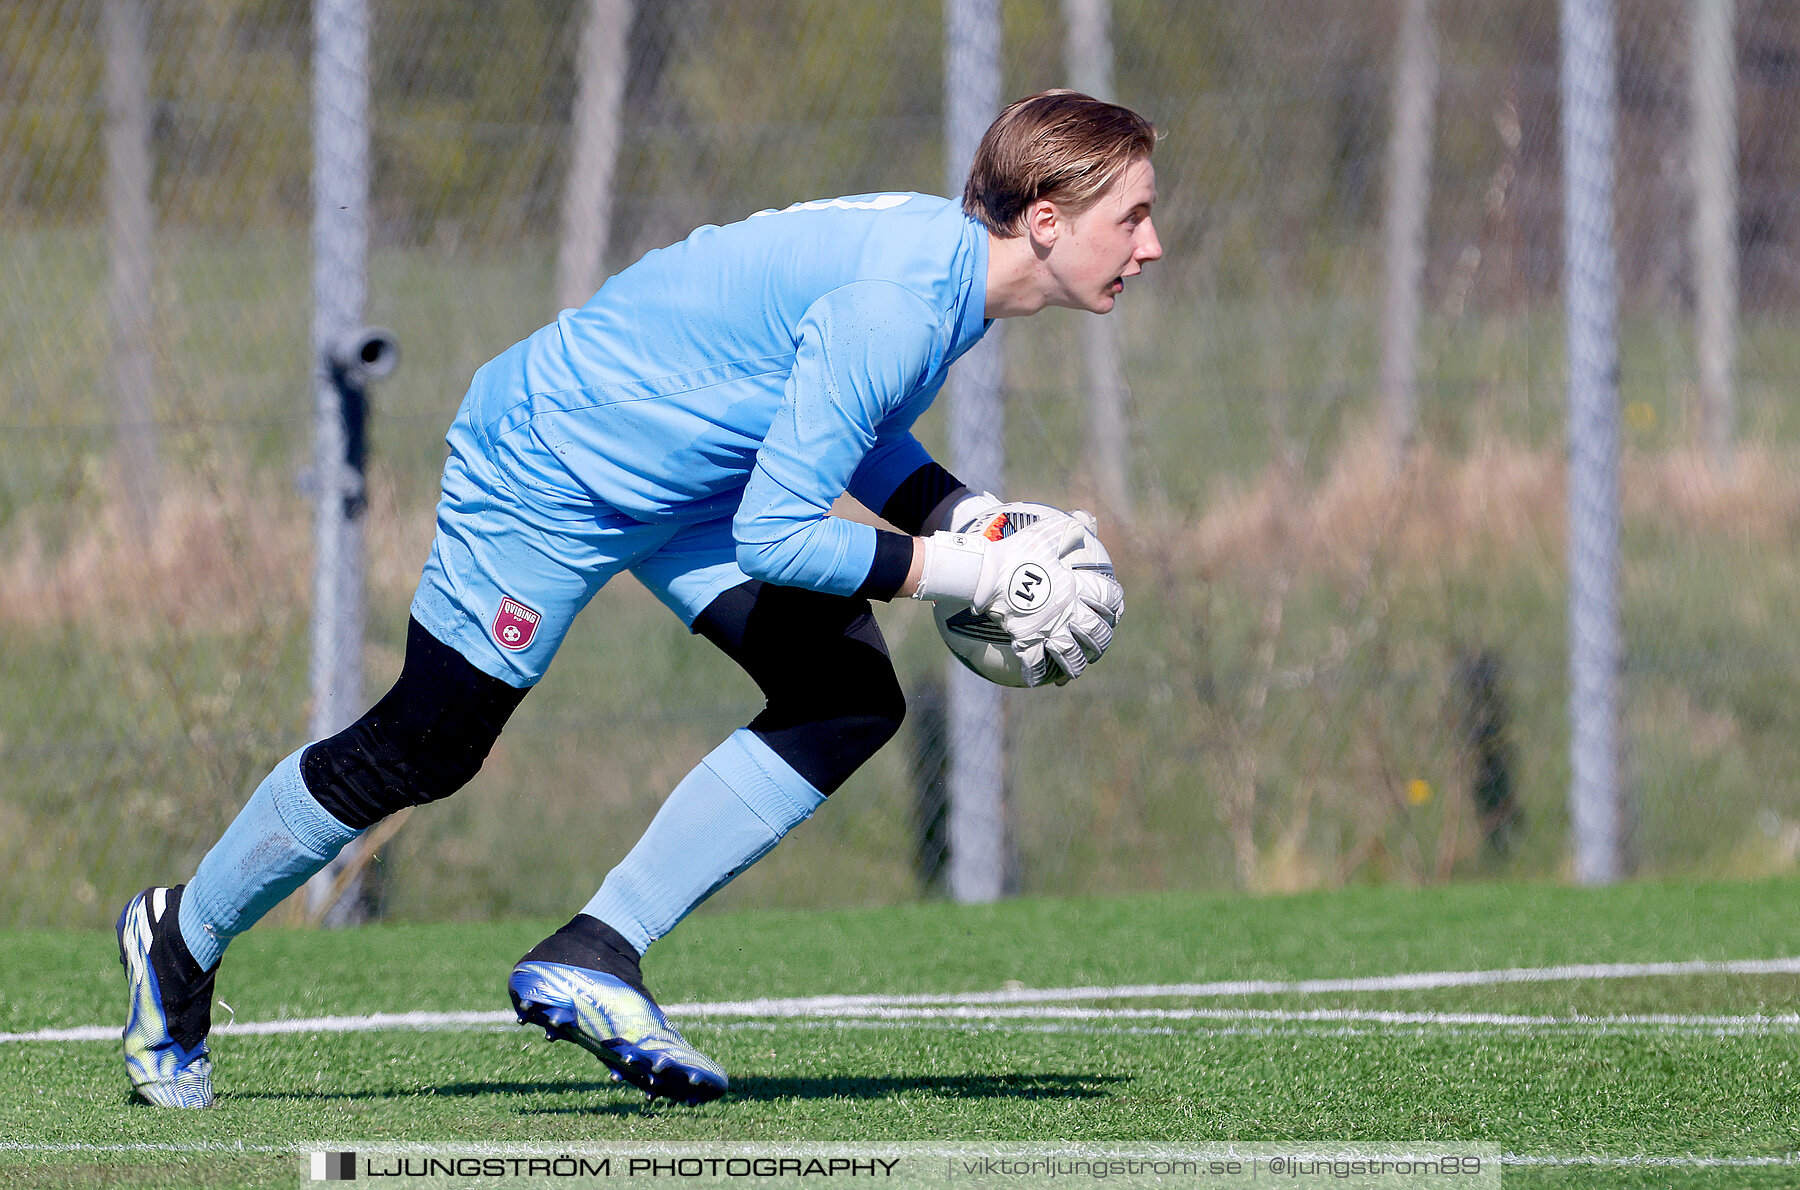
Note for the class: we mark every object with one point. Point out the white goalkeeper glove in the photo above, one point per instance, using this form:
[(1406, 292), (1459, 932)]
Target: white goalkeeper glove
[(1059, 619), (970, 565)]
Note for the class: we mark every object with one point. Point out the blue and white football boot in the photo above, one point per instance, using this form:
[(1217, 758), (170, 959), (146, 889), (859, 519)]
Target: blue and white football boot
[(171, 1004), (582, 984)]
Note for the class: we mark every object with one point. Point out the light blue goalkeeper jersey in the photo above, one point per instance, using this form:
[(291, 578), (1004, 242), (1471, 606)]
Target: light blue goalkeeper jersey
[(757, 371)]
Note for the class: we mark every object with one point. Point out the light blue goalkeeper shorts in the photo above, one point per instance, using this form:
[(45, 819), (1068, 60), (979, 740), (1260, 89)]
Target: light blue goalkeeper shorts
[(507, 576)]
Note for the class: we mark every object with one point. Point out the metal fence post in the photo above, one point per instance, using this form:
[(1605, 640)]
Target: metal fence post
[(1712, 106), (1088, 53), (593, 151), (130, 230), (340, 183), (1596, 804), (1408, 200), (977, 725)]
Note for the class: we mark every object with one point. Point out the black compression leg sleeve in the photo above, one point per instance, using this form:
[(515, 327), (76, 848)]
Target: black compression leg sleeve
[(821, 662), (423, 741)]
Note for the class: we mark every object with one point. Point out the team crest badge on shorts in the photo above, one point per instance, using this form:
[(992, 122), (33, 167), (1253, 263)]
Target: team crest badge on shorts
[(514, 624)]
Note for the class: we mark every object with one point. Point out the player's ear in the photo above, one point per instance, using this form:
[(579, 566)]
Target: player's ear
[(1043, 223)]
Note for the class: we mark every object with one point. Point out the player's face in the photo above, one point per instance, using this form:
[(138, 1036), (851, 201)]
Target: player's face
[(1108, 242)]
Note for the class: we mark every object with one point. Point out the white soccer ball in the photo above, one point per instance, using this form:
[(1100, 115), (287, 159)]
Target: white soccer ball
[(978, 641)]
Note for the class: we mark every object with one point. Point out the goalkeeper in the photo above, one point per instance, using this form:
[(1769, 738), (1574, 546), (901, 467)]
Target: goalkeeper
[(693, 424)]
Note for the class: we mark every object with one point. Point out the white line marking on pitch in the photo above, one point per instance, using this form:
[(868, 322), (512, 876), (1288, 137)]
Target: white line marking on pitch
[(1297, 1030), (1036, 1002), (1418, 981), (1784, 1022)]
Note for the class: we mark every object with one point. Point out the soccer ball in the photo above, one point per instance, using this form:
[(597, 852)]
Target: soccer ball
[(978, 641)]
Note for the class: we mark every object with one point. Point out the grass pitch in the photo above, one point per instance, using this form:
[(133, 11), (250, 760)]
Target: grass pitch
[(1578, 1081)]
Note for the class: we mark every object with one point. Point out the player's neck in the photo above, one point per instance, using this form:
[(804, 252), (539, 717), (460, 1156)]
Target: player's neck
[(1015, 280)]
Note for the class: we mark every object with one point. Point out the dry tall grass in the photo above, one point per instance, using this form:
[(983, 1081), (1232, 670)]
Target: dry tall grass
[(1490, 505), (224, 549), (223, 554)]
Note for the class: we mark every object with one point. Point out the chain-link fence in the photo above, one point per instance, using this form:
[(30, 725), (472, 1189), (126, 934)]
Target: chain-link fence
[(1339, 663)]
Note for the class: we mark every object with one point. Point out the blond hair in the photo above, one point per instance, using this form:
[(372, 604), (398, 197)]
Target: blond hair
[(1059, 145)]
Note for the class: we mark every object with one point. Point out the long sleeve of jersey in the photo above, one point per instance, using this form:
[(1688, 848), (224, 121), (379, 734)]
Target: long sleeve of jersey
[(864, 349)]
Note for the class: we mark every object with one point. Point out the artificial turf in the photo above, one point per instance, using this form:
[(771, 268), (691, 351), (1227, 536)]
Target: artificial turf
[(1568, 1088)]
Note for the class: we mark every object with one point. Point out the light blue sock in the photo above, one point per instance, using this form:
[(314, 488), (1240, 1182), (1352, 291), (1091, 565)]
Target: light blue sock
[(723, 817), (279, 839)]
